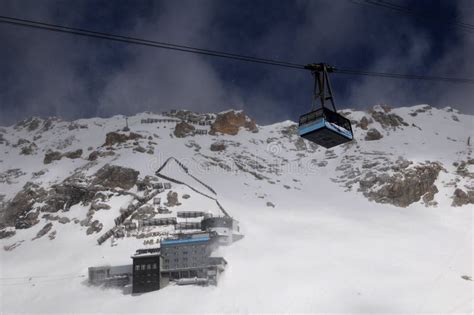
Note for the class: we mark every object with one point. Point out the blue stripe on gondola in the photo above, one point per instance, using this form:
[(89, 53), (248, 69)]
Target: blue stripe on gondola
[(321, 124), (311, 127)]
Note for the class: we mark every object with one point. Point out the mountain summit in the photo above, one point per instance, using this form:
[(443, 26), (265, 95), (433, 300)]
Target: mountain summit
[(380, 223)]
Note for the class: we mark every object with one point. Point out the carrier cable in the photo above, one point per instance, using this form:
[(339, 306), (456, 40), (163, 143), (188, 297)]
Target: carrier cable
[(404, 10), (214, 53)]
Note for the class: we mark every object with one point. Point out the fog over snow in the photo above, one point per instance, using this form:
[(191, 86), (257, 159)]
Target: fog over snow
[(325, 246)]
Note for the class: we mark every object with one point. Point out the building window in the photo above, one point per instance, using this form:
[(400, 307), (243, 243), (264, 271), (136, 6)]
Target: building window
[(137, 267), (154, 266), (143, 267), (149, 266)]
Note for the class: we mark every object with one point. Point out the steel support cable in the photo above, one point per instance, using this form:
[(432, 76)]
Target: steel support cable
[(403, 76), (144, 42), (214, 53), (392, 6)]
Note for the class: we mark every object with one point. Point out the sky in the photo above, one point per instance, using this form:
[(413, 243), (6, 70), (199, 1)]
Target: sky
[(50, 74)]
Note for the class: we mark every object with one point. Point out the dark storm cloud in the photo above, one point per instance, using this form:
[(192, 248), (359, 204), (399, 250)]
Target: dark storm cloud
[(56, 74), (160, 79)]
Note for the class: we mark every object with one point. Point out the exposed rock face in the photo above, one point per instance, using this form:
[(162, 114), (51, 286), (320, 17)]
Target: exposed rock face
[(404, 187), (28, 149), (139, 148), (386, 119), (73, 154), (147, 183), (463, 169), (112, 176), (364, 123), (290, 131), (51, 156), (30, 124), (9, 175), (6, 233), (15, 212), (300, 144), (66, 194), (73, 126), (373, 134), (63, 220), (99, 206), (44, 230), (428, 198), (172, 199), (116, 138), (94, 227), (230, 122), (218, 146), (461, 198), (94, 155), (183, 129), (270, 204)]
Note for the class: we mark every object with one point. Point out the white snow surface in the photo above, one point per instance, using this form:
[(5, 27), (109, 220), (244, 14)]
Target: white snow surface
[(320, 250)]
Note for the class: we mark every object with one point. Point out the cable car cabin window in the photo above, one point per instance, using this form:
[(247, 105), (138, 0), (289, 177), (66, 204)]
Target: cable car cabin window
[(325, 127)]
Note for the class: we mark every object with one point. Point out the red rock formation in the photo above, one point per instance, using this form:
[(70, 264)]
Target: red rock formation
[(231, 121)]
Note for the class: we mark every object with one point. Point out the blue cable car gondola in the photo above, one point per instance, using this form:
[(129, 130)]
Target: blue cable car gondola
[(322, 125)]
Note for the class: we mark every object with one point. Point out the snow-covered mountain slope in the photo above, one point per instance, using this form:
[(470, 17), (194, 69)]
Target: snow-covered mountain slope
[(381, 224)]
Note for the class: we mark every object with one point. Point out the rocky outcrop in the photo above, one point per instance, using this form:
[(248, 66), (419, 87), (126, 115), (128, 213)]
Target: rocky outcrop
[(67, 194), (373, 134), (21, 212), (9, 175), (96, 206), (73, 154), (230, 122), (63, 220), (139, 148), (404, 187), (183, 129), (147, 183), (16, 211), (461, 198), (172, 199), (51, 156), (428, 197), (364, 123), (462, 168), (386, 119), (113, 138), (6, 233), (112, 176), (94, 227), (94, 155), (218, 146), (44, 230)]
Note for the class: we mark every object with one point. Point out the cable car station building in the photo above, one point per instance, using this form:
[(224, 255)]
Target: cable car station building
[(146, 271), (186, 260), (190, 257)]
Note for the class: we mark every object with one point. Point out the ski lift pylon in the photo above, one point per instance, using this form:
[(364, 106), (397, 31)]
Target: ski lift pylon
[(322, 125)]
